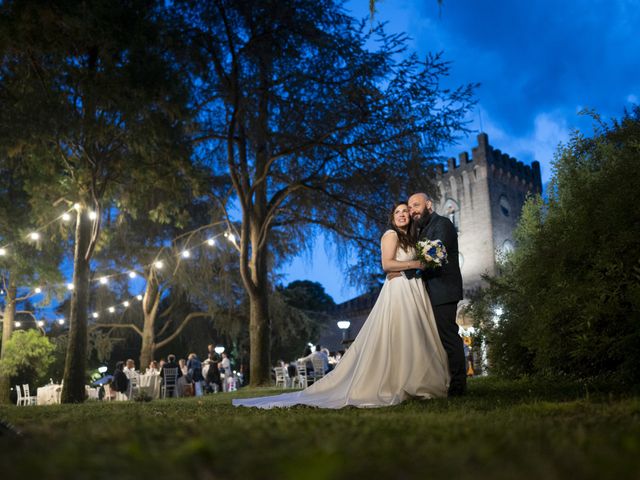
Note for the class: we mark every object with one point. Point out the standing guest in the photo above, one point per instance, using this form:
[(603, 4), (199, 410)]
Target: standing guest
[(120, 381), (212, 378), (225, 367), (194, 369)]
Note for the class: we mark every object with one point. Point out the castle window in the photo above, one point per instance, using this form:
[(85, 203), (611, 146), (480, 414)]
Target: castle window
[(505, 207), (452, 212)]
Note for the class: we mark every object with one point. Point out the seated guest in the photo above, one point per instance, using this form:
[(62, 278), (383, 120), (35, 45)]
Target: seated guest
[(120, 381), (130, 369), (319, 353), (171, 363), (152, 369), (182, 363)]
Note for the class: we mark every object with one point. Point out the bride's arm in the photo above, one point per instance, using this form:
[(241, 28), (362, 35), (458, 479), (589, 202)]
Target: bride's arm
[(389, 248)]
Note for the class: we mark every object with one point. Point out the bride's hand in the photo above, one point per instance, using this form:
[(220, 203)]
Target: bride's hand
[(392, 275)]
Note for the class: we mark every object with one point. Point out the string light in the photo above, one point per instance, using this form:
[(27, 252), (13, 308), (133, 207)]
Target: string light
[(185, 254), (18, 324), (61, 321), (139, 297), (70, 286), (77, 206), (158, 265), (125, 303), (103, 280), (38, 290), (92, 215), (211, 242), (40, 323), (95, 314), (3, 252), (111, 309), (34, 236), (66, 217), (133, 274)]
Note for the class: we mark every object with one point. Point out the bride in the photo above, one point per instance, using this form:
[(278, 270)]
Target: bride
[(396, 355)]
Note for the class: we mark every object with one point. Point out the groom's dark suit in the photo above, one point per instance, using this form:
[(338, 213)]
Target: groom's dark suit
[(444, 285)]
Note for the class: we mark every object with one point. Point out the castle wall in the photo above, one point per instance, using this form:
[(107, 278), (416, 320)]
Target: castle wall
[(483, 195)]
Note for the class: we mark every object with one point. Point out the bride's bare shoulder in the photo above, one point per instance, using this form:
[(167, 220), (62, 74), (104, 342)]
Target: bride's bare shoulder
[(389, 232)]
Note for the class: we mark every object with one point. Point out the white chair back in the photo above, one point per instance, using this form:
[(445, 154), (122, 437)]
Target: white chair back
[(318, 368), (281, 379), (302, 379), (170, 377), (20, 399)]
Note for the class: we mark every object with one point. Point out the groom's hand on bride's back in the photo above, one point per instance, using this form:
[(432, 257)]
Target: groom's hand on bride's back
[(392, 275)]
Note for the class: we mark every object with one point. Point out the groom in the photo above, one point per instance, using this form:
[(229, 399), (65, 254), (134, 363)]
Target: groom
[(444, 285)]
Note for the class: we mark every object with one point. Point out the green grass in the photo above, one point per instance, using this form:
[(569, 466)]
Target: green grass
[(500, 430)]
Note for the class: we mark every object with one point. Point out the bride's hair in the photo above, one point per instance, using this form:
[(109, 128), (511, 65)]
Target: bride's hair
[(406, 240)]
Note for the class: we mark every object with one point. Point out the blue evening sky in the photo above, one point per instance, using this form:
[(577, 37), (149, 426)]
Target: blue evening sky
[(539, 63)]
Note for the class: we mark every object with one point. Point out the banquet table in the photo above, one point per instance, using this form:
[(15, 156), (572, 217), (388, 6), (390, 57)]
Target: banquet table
[(150, 383), (49, 394)]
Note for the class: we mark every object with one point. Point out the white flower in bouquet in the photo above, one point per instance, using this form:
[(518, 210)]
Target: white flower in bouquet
[(432, 252)]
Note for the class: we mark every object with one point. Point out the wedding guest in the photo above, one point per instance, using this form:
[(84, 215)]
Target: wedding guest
[(194, 368), (319, 353), (183, 366), (120, 381), (212, 378), (152, 368), (171, 363), (130, 369)]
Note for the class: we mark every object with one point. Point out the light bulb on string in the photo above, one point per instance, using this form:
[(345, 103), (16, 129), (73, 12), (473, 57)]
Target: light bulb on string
[(133, 274), (61, 321), (40, 323), (66, 217), (38, 290), (231, 238), (92, 215), (185, 254), (70, 286), (139, 297), (77, 206), (103, 280), (125, 303), (3, 251), (112, 309), (18, 324), (34, 236), (211, 242), (158, 265), (95, 314)]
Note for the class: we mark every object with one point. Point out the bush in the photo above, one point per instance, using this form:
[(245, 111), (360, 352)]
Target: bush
[(570, 292)]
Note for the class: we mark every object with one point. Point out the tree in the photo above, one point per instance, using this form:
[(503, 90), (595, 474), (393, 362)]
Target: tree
[(26, 350), (570, 293), (304, 119), (93, 100), (25, 263)]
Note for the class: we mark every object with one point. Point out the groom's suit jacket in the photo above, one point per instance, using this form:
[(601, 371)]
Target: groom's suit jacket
[(444, 284)]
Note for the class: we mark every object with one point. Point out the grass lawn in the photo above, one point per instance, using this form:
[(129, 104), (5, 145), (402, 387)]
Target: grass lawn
[(501, 430)]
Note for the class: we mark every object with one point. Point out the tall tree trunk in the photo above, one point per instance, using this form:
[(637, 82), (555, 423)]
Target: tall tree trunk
[(259, 320), (75, 366), (148, 349), (7, 330)]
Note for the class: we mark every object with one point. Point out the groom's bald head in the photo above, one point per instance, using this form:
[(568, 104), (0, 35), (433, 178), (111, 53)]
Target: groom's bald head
[(420, 204)]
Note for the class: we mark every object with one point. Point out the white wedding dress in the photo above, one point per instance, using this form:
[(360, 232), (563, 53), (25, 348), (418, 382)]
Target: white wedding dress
[(397, 355)]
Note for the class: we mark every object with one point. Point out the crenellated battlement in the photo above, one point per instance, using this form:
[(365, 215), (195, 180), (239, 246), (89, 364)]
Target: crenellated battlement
[(499, 164)]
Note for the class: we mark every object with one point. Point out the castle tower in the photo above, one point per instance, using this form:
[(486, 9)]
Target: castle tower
[(483, 195)]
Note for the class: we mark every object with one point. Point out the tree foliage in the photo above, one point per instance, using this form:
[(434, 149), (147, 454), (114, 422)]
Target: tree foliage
[(27, 350), (571, 291), (316, 131)]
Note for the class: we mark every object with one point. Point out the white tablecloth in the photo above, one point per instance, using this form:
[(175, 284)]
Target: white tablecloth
[(150, 383), (49, 394)]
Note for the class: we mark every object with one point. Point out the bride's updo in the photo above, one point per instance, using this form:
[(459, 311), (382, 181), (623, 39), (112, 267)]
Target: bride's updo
[(406, 240)]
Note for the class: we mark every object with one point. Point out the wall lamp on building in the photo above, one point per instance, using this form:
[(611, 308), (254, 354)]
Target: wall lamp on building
[(344, 326)]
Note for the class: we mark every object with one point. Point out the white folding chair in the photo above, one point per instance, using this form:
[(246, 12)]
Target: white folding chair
[(20, 399), (134, 386), (169, 379), (302, 379), (280, 377), (27, 398), (318, 368)]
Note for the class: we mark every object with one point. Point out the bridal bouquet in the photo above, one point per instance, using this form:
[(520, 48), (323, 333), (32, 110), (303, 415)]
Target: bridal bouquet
[(432, 253)]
